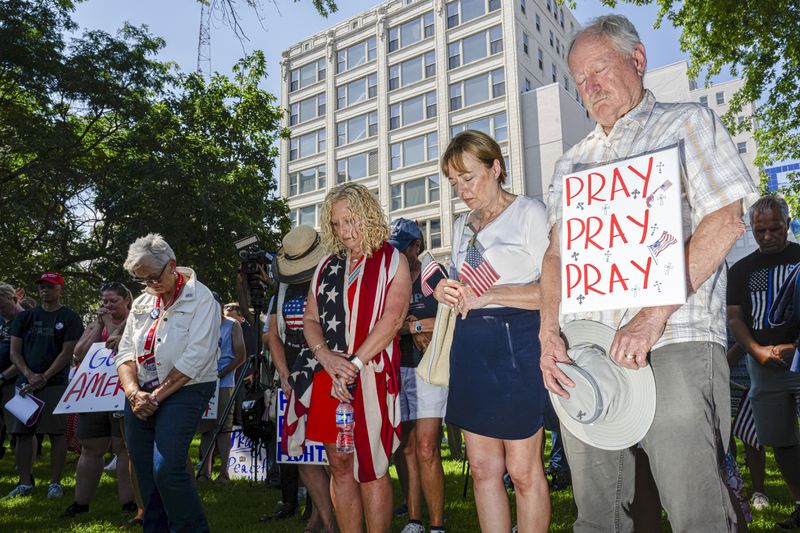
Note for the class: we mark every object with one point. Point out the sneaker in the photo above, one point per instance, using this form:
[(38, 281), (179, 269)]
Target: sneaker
[(75, 509), (54, 491), (413, 527), (20, 490), (112, 465), (759, 501), (401, 510), (792, 522)]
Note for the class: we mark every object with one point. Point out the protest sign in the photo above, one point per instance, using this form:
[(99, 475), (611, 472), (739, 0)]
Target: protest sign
[(241, 462), (211, 408), (622, 235), (95, 386), (314, 453)]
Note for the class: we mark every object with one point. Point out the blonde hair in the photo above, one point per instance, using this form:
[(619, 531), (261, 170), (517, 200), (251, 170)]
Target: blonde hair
[(368, 215), (7, 292), (479, 145)]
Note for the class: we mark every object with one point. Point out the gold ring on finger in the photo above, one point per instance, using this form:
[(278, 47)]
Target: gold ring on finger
[(630, 356)]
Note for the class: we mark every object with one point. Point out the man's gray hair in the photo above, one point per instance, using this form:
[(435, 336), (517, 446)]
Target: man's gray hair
[(152, 248), (7, 292), (770, 202), (618, 28)]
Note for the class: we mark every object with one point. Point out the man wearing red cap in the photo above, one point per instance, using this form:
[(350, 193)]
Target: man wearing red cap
[(42, 341)]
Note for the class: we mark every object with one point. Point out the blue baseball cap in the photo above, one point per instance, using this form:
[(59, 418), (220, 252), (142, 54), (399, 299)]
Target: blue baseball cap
[(403, 233)]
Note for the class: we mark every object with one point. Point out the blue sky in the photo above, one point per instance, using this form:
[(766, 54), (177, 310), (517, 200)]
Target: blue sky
[(286, 22)]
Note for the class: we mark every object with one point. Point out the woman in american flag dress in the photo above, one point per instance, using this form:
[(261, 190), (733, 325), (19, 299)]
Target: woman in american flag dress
[(356, 304)]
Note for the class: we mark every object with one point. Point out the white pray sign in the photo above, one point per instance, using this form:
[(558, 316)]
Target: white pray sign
[(622, 235)]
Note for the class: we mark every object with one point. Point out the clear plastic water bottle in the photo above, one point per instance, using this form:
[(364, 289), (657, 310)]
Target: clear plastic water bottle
[(345, 421)]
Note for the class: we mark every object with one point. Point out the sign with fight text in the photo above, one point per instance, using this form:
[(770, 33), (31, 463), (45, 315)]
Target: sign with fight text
[(314, 453), (622, 235), (95, 386)]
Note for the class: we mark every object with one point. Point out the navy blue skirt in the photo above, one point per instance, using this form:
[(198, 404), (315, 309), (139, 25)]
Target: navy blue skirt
[(496, 387)]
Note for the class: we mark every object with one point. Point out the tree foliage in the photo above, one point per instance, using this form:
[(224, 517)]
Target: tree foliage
[(100, 144), (757, 41)]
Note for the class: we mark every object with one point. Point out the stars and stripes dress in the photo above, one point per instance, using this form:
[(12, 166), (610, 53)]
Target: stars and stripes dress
[(349, 305), (496, 387)]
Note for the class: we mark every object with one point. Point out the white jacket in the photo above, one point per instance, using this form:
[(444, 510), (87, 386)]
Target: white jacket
[(187, 337)]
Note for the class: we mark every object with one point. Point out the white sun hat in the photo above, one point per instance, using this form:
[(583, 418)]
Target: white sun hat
[(610, 407)]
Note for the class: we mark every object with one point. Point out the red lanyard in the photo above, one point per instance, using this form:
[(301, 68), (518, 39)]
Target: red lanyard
[(149, 342)]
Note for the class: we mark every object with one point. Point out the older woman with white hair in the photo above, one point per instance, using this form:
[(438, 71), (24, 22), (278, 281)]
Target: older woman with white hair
[(167, 365)]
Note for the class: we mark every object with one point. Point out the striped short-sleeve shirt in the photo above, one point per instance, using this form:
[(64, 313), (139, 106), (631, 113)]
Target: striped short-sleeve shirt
[(712, 175)]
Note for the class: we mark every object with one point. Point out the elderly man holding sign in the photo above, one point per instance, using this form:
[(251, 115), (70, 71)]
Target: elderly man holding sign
[(682, 341)]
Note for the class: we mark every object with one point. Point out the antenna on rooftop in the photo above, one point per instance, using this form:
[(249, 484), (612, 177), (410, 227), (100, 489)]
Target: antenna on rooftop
[(204, 39)]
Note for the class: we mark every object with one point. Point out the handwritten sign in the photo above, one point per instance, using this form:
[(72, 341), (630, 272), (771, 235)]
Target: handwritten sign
[(622, 236), (213, 405), (241, 462), (95, 386), (314, 453)]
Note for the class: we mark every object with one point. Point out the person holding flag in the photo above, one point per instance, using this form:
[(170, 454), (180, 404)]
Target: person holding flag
[(422, 405), (496, 392)]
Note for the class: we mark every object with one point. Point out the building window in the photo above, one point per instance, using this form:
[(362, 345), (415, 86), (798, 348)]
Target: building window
[(411, 32), (704, 101), (527, 87), (477, 89), (720, 98), (525, 43), (558, 46), (308, 180), (522, 6), (412, 70), (561, 16), (356, 55), (357, 128), (307, 109), (475, 47), (306, 145), (538, 23), (413, 151), (357, 167), (304, 216), (495, 126), (566, 83), (462, 11), (555, 72), (742, 147), (431, 232), (357, 91), (412, 110), (306, 75), (540, 56), (552, 39), (415, 192), (548, 4)]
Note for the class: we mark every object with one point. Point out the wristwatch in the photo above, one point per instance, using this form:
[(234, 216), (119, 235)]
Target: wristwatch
[(417, 327)]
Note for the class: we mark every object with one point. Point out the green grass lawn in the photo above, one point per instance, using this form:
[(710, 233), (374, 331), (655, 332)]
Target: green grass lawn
[(237, 506)]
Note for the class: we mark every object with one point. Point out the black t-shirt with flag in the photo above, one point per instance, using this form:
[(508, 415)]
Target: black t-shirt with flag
[(753, 283), (421, 306), (43, 335)]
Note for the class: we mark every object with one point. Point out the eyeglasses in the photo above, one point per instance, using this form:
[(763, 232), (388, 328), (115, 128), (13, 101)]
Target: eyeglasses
[(112, 286), (152, 279)]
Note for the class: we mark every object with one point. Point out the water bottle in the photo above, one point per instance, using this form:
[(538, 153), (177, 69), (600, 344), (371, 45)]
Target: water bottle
[(345, 420)]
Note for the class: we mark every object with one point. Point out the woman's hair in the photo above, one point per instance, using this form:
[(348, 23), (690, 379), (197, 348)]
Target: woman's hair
[(479, 145), (368, 215), (7, 292), (152, 248), (120, 290)]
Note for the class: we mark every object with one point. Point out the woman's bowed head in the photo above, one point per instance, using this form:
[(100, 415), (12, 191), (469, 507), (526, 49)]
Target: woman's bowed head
[(352, 221)]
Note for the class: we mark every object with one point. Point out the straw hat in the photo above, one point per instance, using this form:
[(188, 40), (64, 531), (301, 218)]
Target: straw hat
[(611, 407), (299, 256)]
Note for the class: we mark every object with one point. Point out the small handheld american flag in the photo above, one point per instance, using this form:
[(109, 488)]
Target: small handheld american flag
[(665, 241), (476, 271), (428, 268)]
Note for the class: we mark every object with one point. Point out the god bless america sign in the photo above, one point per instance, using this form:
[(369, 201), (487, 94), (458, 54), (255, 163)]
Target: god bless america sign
[(622, 235)]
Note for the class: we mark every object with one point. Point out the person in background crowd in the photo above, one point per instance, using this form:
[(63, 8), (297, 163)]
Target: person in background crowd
[(356, 303), (683, 344), (167, 365), (558, 467), (42, 342), (753, 283), (422, 405), (496, 394), (9, 307), (234, 311), (97, 430), (454, 442), (292, 268), (232, 356)]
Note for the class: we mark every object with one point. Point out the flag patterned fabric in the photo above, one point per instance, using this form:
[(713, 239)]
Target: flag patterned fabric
[(476, 270), (780, 309), (376, 399), (764, 286), (665, 241), (293, 311), (744, 424), (428, 268)]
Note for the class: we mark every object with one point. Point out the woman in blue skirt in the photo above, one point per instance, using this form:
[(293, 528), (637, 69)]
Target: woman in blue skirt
[(496, 392)]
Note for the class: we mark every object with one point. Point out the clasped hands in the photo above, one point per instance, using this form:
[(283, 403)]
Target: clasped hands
[(341, 371), (459, 297), (143, 404)]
